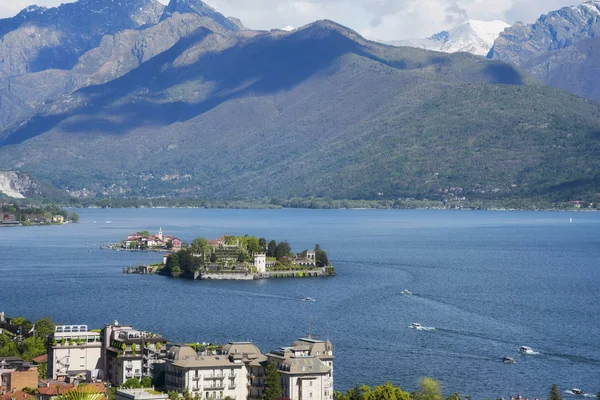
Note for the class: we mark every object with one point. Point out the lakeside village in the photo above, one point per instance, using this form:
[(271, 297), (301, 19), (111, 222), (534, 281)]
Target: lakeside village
[(226, 258), (44, 361), (127, 359), (13, 215)]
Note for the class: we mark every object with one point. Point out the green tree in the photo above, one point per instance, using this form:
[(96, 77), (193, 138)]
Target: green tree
[(31, 391), (42, 370), (389, 392), (554, 393), (283, 249), (241, 257), (132, 383), (172, 395), (133, 349), (146, 382), (429, 389), (253, 244), (272, 390), (74, 217), (262, 242), (454, 396), (8, 347), (44, 327), (213, 258), (321, 259), (271, 248), (33, 347), (200, 246)]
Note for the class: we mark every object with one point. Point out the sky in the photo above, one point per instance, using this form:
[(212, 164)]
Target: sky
[(377, 19)]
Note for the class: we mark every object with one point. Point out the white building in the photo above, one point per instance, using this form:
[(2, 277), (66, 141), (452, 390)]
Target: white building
[(130, 353), (306, 369), (260, 262), (209, 376), (74, 351), (140, 394)]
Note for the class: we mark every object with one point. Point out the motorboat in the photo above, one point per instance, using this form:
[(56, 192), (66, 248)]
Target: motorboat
[(406, 291), (578, 392), (307, 299), (416, 325), (508, 360), (526, 350)]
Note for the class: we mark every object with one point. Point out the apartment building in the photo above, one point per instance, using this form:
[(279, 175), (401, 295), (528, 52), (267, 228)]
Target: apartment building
[(209, 376), (306, 369), (130, 353), (73, 351)]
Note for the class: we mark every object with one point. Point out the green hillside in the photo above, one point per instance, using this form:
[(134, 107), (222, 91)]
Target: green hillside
[(317, 112)]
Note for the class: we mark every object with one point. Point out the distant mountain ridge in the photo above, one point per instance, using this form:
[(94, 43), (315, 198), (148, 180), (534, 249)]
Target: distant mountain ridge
[(561, 47), (186, 105), (475, 37)]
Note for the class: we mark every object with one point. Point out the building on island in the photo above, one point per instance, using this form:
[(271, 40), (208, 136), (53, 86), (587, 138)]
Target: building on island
[(259, 261), (306, 260), (73, 351), (144, 240), (17, 374), (130, 353)]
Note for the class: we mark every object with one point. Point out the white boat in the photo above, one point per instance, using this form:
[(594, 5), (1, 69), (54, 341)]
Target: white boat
[(416, 325), (508, 360), (306, 299), (406, 291), (578, 392), (527, 350)]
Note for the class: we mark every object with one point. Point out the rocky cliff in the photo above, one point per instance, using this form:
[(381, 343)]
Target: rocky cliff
[(562, 48)]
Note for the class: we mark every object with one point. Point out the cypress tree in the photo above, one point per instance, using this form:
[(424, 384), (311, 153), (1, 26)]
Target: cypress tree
[(554, 393), (272, 389)]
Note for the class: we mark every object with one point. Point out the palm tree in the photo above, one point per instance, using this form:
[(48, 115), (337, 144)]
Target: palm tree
[(81, 393)]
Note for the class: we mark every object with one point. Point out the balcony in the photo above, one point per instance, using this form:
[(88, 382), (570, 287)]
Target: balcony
[(231, 387), (218, 386), (211, 377)]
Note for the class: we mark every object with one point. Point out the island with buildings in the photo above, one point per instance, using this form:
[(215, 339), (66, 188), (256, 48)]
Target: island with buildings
[(239, 258), (146, 241)]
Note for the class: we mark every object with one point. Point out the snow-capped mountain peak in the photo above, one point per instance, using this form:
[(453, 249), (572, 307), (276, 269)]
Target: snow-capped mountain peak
[(476, 37)]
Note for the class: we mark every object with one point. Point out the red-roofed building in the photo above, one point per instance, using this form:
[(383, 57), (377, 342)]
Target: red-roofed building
[(16, 395), (52, 390), (40, 359)]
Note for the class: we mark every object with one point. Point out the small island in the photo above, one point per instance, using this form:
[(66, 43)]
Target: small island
[(240, 258), (145, 241)]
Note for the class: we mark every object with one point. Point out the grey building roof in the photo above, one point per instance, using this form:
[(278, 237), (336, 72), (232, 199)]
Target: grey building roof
[(304, 365), (206, 362)]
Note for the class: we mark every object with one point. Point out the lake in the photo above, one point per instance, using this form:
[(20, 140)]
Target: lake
[(488, 282)]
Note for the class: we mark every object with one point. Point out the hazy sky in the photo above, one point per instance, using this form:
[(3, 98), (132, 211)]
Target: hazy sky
[(381, 19)]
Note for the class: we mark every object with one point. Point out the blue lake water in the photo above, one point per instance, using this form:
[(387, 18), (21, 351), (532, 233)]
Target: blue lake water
[(488, 282)]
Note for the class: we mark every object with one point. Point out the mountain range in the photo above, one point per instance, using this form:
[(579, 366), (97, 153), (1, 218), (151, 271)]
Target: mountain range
[(179, 100), (475, 37)]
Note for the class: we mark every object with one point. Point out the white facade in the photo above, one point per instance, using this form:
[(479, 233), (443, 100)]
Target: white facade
[(72, 351), (210, 377)]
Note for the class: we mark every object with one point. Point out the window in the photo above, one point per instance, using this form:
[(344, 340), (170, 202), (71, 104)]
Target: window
[(310, 394), (310, 383)]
